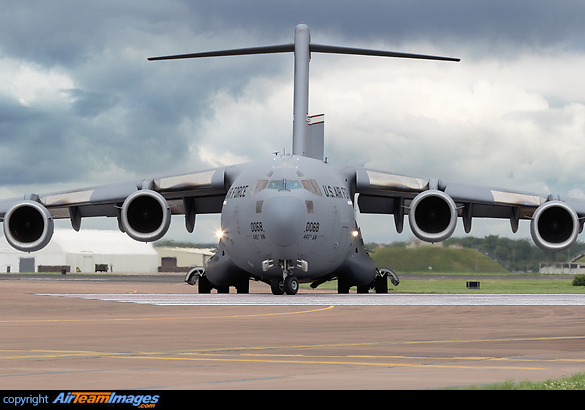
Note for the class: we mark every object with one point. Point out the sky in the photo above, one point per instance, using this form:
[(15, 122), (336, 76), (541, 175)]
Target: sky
[(80, 105)]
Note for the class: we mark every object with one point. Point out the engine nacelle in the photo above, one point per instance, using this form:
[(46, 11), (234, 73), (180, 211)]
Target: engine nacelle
[(146, 216), (554, 226), (28, 226), (433, 216)]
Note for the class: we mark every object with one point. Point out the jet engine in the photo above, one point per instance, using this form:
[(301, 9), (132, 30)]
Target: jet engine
[(433, 216), (28, 226), (554, 226), (145, 216)]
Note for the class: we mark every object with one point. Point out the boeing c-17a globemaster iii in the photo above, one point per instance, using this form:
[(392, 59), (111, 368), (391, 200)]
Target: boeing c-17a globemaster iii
[(291, 218)]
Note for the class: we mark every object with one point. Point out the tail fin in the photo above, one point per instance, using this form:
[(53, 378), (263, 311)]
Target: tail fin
[(302, 47)]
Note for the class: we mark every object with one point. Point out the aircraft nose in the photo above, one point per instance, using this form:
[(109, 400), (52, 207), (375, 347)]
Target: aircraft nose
[(284, 219)]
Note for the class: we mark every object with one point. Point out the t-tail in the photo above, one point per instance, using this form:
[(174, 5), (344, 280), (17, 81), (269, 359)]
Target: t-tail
[(308, 138)]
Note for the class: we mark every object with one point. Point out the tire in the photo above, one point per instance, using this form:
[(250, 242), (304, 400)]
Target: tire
[(342, 286), (243, 286), (291, 285), (204, 285), (381, 284), (277, 286)]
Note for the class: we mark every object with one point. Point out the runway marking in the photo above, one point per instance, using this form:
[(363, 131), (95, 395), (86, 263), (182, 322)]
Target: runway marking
[(281, 361), (390, 343), (292, 359), (247, 354), (333, 299), (442, 358), (298, 312)]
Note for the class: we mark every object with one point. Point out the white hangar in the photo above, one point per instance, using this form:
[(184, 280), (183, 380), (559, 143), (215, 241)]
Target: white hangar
[(83, 251)]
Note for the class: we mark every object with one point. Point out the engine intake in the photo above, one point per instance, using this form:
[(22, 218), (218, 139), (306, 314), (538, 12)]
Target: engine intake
[(433, 216), (146, 216), (554, 226), (28, 226)]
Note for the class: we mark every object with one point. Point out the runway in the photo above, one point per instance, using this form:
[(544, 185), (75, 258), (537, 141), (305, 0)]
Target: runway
[(334, 299), (115, 334)]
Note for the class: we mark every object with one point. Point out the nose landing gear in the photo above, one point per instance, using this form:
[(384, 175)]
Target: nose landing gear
[(291, 285), (288, 284)]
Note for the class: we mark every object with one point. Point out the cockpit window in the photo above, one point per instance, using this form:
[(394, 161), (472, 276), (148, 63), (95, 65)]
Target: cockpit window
[(258, 186), (262, 185), (293, 184), (276, 184), (281, 184), (306, 185), (315, 187)]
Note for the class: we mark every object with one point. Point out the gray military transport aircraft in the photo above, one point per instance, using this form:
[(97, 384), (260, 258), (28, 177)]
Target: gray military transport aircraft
[(291, 218)]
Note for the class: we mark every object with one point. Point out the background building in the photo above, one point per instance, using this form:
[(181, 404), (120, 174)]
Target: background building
[(84, 251), (179, 259), (574, 266)]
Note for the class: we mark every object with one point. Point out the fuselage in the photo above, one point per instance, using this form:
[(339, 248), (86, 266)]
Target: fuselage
[(289, 212)]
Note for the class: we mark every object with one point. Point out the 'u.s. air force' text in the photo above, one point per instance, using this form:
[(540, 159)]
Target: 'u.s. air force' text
[(335, 191)]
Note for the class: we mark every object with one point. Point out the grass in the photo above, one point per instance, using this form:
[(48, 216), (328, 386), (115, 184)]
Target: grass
[(440, 259), (435, 284), (504, 285), (574, 382)]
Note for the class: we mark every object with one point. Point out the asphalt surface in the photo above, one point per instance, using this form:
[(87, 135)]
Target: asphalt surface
[(150, 332)]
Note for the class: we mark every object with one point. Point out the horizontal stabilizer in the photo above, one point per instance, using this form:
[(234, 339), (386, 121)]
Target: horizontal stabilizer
[(307, 137), (318, 48), (282, 48), (314, 48)]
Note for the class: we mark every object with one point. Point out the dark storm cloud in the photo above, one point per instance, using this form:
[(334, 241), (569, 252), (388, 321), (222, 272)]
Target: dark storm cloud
[(520, 22), (70, 32), (127, 112), (32, 142)]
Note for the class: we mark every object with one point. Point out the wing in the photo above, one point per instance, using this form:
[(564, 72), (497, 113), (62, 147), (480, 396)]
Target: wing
[(143, 207), (433, 207)]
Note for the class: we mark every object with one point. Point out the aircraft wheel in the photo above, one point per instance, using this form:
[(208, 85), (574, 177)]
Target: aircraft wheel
[(291, 285), (204, 285), (243, 286), (381, 284), (342, 286), (277, 286)]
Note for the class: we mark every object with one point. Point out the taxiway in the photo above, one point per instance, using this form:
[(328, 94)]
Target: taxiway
[(113, 333)]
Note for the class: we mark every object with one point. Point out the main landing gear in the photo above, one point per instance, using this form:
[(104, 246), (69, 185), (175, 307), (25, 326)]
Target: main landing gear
[(196, 276), (379, 284)]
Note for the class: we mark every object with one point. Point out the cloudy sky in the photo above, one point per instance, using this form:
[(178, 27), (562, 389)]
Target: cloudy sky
[(80, 105)]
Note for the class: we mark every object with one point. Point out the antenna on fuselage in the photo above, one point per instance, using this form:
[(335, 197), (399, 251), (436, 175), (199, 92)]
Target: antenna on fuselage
[(302, 48)]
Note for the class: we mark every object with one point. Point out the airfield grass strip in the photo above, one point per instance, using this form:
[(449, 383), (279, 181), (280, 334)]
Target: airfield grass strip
[(574, 382), (439, 285)]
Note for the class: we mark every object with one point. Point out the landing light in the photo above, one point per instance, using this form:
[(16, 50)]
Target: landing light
[(355, 233), (219, 233)]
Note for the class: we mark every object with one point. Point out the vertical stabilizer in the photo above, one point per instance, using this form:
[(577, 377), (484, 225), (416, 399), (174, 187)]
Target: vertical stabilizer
[(307, 131), (301, 91)]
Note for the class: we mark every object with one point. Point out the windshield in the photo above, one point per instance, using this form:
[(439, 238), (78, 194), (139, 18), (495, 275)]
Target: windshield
[(292, 184), (276, 184), (279, 185)]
